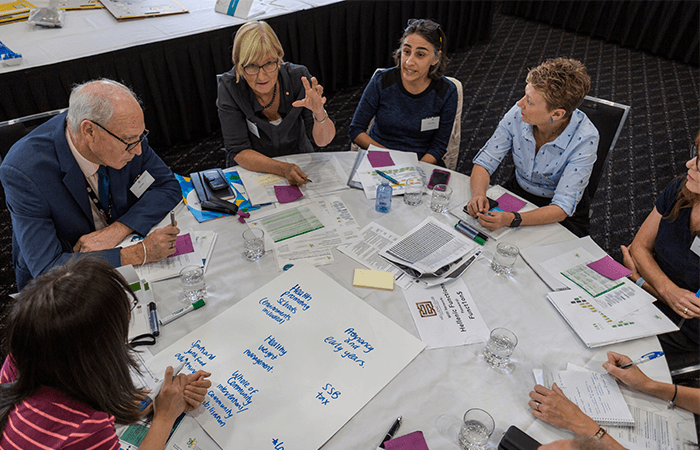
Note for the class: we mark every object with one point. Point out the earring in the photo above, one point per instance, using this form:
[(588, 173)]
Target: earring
[(551, 120)]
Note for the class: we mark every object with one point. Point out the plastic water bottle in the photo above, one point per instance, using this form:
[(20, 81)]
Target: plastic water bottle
[(383, 202)]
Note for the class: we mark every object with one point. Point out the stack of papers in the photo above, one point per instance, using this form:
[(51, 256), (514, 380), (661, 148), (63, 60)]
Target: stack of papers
[(596, 329), (601, 310), (430, 252), (322, 169)]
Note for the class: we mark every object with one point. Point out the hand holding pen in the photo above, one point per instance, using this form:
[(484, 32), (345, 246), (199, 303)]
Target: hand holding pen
[(632, 376)]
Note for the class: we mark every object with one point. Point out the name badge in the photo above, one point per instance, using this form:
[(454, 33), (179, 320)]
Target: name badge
[(695, 247), (143, 182), (430, 123), (253, 128)]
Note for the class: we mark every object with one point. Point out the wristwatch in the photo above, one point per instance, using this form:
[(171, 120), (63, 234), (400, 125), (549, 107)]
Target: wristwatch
[(516, 221)]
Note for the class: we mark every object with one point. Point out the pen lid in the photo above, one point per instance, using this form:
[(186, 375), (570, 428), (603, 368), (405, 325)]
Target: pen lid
[(198, 304)]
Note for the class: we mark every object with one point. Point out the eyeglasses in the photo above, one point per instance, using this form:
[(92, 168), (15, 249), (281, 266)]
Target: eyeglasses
[(254, 69), (693, 152), (129, 145)]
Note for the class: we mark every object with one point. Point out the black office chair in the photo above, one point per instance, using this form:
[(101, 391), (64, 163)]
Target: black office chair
[(609, 118), (13, 130)]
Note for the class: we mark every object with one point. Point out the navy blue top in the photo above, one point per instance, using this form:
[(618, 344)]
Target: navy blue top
[(399, 115), (673, 254)]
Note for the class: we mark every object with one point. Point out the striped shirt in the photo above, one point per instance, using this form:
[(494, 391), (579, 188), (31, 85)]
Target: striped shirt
[(52, 420)]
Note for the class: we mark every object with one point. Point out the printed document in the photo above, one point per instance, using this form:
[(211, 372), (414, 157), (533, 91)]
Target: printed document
[(366, 251), (596, 329), (446, 315), (322, 169), (430, 248)]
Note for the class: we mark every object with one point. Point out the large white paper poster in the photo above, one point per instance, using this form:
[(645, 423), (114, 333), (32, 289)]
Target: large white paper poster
[(292, 362)]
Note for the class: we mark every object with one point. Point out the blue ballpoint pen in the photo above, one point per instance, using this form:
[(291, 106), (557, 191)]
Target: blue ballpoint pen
[(643, 359), (382, 174)]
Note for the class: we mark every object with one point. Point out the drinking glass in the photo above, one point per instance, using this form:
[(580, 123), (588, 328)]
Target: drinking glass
[(254, 245), (499, 347), (193, 285), (477, 427), (504, 259), (412, 193), (440, 198)]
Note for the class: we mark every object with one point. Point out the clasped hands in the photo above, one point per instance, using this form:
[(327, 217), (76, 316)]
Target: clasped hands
[(478, 207), (182, 393)]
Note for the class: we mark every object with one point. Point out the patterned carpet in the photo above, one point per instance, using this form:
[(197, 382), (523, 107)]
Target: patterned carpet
[(652, 149)]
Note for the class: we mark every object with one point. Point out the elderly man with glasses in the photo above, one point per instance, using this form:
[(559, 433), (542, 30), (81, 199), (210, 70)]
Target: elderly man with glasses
[(83, 181)]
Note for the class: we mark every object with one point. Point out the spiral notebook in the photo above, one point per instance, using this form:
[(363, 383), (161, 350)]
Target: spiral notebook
[(597, 394)]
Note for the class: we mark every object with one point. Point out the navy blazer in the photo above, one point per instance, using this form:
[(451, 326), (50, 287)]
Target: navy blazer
[(47, 197)]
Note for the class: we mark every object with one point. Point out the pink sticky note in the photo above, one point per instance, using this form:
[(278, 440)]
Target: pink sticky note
[(510, 203), (379, 159), (411, 441), (287, 194), (183, 245), (610, 268)]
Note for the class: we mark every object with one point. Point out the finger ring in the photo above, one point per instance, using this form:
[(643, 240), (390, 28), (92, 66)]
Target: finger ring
[(685, 311), (172, 245), (537, 406)]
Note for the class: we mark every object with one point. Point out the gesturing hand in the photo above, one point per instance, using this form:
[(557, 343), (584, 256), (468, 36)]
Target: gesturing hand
[(314, 99)]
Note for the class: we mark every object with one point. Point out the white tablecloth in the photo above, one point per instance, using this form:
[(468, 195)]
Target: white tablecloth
[(92, 32), (435, 390)]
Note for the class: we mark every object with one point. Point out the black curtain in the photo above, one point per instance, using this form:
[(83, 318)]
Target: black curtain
[(663, 28), (341, 44)]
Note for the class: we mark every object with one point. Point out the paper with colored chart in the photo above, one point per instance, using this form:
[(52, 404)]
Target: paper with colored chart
[(301, 343), (596, 328)]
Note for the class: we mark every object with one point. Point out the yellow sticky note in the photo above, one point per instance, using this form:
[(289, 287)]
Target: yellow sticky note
[(376, 279)]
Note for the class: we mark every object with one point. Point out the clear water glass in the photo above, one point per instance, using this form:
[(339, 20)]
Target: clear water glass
[(504, 259), (413, 192), (477, 427), (440, 198), (193, 284), (254, 244), (499, 347)]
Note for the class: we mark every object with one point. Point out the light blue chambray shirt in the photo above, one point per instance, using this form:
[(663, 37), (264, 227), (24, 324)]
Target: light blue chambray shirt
[(560, 170)]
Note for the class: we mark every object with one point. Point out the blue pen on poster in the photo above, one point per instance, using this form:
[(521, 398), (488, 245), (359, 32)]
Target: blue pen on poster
[(156, 390), (153, 318), (643, 359), (392, 431), (382, 174)]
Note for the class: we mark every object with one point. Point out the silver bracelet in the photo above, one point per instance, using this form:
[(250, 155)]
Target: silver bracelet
[(144, 253), (639, 282), (320, 121)]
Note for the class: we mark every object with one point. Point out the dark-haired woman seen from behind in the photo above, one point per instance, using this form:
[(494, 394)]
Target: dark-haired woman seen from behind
[(413, 104), (66, 379)]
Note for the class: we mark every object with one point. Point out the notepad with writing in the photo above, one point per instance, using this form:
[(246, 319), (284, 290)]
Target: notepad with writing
[(376, 279), (597, 394)]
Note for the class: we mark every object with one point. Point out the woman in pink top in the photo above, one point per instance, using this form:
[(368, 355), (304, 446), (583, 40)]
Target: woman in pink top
[(67, 381)]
